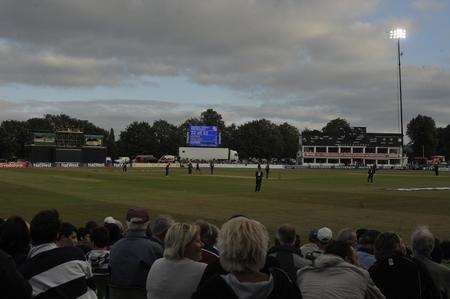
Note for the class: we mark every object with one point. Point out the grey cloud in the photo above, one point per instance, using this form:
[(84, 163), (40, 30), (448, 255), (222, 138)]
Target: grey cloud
[(302, 61), (428, 5), (115, 114), (206, 41)]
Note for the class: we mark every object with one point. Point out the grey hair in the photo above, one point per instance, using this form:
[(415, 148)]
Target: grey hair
[(243, 245), (137, 226), (162, 224), (346, 235), (422, 241)]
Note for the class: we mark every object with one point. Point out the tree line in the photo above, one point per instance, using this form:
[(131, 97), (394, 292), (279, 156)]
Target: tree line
[(261, 138), (255, 139)]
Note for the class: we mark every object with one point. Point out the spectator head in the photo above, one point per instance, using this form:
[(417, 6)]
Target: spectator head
[(83, 234), (360, 232), (114, 233), (15, 236), (208, 232), (45, 227), (243, 245), (367, 240), (137, 219), (324, 236), (90, 225), (312, 236), (342, 249), (347, 235), (99, 237), (109, 219), (286, 235), (422, 242), (112, 220), (160, 226), (183, 241), (388, 245), (236, 216), (67, 235)]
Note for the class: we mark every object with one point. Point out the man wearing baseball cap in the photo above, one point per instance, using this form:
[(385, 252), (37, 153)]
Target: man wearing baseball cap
[(132, 256), (324, 236), (319, 239)]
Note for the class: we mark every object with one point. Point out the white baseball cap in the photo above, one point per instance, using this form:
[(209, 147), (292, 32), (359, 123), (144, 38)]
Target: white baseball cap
[(324, 235), (109, 219)]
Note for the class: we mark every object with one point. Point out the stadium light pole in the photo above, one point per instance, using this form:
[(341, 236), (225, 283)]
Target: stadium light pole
[(398, 34)]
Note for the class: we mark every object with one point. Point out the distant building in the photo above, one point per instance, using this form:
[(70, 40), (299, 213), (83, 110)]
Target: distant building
[(353, 148)]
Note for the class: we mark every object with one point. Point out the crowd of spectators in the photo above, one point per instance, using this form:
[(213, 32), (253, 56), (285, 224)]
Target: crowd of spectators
[(163, 258)]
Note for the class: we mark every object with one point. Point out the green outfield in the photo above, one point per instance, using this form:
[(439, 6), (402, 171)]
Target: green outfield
[(305, 198)]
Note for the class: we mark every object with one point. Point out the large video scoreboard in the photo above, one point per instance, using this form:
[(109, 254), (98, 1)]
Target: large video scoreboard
[(203, 136)]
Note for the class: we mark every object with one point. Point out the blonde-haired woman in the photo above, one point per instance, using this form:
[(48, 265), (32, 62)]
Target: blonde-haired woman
[(178, 273), (243, 247)]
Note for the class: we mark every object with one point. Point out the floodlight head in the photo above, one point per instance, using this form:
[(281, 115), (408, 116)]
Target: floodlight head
[(398, 33)]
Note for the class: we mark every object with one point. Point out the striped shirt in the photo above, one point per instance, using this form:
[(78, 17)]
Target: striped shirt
[(58, 272)]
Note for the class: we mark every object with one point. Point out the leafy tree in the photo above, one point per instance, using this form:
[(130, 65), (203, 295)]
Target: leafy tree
[(336, 127), (111, 145), (14, 135), (137, 139), (422, 132), (309, 131), (165, 138), (229, 136), (259, 139), (210, 117), (443, 147), (64, 122), (40, 124), (291, 140)]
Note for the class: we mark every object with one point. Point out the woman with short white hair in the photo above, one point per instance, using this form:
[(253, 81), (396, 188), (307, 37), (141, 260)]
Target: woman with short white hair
[(243, 245), (178, 273)]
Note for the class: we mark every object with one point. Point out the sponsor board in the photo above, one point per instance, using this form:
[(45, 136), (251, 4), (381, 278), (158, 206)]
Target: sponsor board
[(42, 165), (95, 164), (14, 165), (155, 165), (67, 164)]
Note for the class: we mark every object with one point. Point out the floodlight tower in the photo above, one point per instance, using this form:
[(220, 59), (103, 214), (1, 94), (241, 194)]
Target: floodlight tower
[(399, 34)]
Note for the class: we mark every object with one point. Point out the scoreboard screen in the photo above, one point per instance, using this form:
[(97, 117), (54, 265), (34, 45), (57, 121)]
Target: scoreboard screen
[(203, 136)]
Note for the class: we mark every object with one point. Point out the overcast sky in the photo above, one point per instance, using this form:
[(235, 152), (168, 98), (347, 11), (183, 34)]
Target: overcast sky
[(301, 61)]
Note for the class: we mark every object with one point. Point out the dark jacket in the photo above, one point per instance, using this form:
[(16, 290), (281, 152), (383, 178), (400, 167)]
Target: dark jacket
[(131, 259), (217, 288), (209, 255), (401, 277), (439, 273), (12, 283), (290, 259)]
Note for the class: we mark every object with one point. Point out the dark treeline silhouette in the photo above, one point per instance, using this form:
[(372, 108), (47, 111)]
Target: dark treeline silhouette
[(255, 139), (261, 138)]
